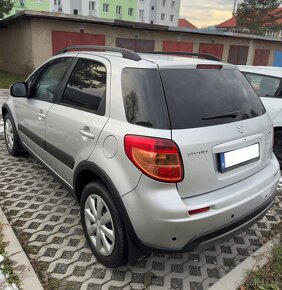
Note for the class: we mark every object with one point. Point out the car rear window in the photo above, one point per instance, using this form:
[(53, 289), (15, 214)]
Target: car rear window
[(143, 98), (206, 97)]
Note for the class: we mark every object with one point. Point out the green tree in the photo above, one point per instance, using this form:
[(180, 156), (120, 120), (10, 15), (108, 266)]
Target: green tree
[(5, 7), (257, 16)]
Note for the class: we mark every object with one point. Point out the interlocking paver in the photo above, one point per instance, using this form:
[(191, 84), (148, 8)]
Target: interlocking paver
[(42, 211)]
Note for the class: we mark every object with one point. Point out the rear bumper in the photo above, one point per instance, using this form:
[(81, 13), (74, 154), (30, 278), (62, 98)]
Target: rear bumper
[(160, 220)]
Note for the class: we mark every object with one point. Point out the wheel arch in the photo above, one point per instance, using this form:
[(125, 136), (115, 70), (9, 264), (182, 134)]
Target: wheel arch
[(5, 110), (86, 172)]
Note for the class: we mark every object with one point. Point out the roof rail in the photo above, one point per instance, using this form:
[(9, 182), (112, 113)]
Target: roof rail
[(126, 53), (205, 55)]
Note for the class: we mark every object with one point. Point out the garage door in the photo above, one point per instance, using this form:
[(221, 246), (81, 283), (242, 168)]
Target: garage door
[(213, 49), (261, 56), (138, 45), (238, 54), (61, 39), (278, 58), (178, 46)]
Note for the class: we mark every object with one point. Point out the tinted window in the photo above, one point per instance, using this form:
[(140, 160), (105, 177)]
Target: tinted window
[(50, 79), (86, 88), (143, 98), (199, 98), (264, 86)]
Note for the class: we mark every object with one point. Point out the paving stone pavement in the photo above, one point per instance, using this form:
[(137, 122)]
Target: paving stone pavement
[(46, 218)]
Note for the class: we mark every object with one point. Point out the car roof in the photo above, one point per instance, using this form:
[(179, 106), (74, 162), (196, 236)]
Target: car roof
[(161, 60), (262, 70)]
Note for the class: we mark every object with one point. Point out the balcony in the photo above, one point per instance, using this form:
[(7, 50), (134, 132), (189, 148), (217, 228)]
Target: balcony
[(57, 8), (93, 13), (119, 16)]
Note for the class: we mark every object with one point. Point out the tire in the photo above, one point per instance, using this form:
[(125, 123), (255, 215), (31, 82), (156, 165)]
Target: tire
[(277, 147), (110, 249), (12, 139)]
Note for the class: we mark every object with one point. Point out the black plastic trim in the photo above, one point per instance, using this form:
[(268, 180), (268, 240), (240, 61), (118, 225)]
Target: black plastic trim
[(126, 53), (86, 165), (60, 155), (51, 149), (36, 139)]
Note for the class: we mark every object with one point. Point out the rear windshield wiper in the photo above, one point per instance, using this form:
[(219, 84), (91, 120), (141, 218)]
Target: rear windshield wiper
[(232, 114)]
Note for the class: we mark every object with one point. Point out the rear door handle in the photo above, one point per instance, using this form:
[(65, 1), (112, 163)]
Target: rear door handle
[(86, 134)]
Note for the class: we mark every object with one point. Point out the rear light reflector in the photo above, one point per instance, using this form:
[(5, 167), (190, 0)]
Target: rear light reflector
[(157, 158), (199, 210), (209, 66)]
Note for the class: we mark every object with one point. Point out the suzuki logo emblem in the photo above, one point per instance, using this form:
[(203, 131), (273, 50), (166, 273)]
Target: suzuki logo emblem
[(240, 128)]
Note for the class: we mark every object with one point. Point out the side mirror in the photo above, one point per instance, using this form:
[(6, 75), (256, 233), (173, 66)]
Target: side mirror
[(19, 90)]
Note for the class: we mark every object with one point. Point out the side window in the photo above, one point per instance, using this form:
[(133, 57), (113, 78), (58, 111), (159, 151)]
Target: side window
[(50, 79), (86, 87), (264, 86)]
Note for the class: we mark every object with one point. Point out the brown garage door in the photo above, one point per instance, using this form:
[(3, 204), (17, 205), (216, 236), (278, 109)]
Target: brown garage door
[(238, 54), (138, 45), (178, 46), (261, 56), (213, 49), (61, 39)]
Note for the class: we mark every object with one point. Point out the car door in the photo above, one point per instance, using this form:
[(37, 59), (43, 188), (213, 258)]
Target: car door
[(74, 123), (32, 111)]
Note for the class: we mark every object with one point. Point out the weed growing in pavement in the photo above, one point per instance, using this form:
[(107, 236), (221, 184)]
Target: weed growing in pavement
[(6, 265), (268, 277)]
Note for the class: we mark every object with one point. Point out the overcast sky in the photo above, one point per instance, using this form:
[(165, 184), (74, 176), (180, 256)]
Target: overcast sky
[(203, 13)]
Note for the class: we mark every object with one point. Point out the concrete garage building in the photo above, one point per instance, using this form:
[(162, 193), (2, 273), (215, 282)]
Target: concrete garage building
[(29, 38)]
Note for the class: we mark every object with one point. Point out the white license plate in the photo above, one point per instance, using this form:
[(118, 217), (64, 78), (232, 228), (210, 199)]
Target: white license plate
[(233, 159)]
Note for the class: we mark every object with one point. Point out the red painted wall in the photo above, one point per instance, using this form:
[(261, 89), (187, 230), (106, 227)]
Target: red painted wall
[(213, 49), (61, 39), (177, 46)]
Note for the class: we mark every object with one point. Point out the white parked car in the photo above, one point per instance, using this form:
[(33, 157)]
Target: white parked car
[(267, 82)]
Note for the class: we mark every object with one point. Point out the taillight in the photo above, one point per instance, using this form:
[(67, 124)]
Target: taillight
[(158, 158)]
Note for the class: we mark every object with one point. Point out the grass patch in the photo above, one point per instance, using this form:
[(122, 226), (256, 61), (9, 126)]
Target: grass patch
[(6, 265), (268, 277), (6, 79)]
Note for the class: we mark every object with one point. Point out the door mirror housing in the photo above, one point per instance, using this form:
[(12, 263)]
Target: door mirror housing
[(19, 90)]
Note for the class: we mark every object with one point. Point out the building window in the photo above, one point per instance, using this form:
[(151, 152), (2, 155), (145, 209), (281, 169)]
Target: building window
[(163, 2), (153, 8), (280, 34), (171, 17), (105, 7), (75, 11), (21, 3), (172, 4), (57, 2), (141, 13), (130, 11), (118, 10), (92, 5), (162, 16)]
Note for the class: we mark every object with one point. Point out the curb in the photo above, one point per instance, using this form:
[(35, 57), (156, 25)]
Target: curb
[(18, 258), (258, 259)]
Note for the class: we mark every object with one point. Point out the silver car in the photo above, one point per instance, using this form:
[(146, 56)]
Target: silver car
[(163, 153), (267, 82)]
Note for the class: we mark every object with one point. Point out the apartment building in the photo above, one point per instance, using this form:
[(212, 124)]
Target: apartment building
[(163, 12)]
